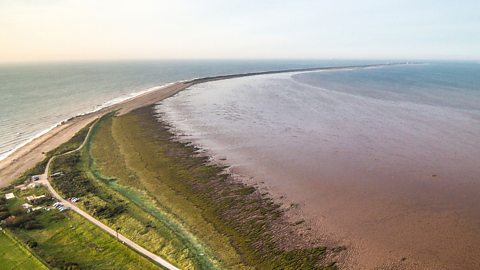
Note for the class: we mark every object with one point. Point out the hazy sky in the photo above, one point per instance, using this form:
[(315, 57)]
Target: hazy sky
[(37, 30)]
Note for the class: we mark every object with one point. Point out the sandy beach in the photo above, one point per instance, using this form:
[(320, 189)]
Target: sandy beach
[(26, 157), (317, 135), (388, 244)]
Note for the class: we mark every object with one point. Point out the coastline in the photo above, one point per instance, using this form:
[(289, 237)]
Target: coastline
[(370, 212), (106, 104), (28, 155), (33, 152)]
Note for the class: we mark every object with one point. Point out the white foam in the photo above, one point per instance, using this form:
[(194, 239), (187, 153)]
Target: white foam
[(106, 104), (37, 135)]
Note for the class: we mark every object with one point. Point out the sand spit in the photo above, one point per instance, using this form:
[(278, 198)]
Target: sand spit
[(27, 156)]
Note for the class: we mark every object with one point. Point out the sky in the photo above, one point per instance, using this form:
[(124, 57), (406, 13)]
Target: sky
[(60, 30)]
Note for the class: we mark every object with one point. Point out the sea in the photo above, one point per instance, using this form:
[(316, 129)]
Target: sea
[(384, 160), (35, 97)]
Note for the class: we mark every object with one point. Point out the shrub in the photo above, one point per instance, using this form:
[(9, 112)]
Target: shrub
[(4, 215), (32, 243), (25, 221)]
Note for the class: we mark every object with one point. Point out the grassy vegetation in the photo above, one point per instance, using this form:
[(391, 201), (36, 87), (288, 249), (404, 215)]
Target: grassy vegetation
[(64, 240), (68, 240), (14, 255), (71, 144), (61, 240), (193, 205), (112, 209), (39, 168), (168, 227), (131, 175), (75, 183)]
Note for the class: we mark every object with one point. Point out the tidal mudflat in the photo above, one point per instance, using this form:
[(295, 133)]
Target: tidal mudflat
[(384, 160)]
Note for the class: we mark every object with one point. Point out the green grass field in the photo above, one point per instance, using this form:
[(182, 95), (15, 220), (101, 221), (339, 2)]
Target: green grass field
[(14, 255), (68, 240)]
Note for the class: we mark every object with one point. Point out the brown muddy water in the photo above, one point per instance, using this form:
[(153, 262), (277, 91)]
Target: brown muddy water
[(385, 161)]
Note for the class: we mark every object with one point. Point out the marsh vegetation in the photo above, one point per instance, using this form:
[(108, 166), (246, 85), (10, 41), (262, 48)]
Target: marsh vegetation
[(214, 220)]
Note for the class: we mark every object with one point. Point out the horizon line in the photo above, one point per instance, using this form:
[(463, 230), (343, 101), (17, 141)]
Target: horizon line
[(59, 61)]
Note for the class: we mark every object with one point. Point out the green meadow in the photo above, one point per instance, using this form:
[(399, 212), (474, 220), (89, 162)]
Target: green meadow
[(14, 255), (63, 240), (67, 241)]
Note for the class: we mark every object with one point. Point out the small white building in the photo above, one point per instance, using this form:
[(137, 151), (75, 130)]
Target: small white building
[(26, 206), (9, 196), (57, 174), (33, 185), (33, 198), (27, 186)]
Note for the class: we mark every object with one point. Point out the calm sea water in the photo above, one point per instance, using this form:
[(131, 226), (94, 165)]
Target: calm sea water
[(35, 97), (385, 159)]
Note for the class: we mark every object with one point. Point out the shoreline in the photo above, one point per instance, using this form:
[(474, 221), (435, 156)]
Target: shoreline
[(34, 151), (353, 167), (28, 155), (107, 104)]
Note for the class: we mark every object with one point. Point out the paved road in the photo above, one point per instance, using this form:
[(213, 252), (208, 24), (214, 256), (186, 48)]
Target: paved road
[(45, 181)]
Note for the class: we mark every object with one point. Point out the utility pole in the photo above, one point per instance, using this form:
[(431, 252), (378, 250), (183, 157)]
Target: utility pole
[(116, 230)]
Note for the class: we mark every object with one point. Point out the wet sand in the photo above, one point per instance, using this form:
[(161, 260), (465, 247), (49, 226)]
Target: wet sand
[(397, 183), (419, 222)]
